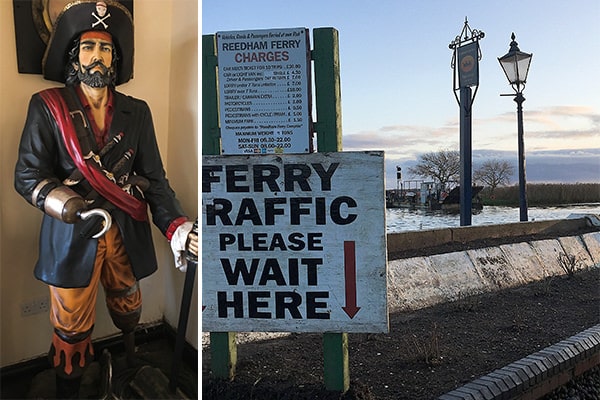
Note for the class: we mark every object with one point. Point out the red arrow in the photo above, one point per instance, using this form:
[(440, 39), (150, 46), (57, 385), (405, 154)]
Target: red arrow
[(350, 278)]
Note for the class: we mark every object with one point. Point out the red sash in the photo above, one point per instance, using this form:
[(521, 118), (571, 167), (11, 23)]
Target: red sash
[(108, 189)]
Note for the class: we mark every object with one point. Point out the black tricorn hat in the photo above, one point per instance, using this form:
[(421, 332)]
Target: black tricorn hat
[(90, 15)]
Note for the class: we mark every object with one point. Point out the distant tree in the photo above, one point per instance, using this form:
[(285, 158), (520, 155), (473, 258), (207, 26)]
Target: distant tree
[(494, 173), (442, 166)]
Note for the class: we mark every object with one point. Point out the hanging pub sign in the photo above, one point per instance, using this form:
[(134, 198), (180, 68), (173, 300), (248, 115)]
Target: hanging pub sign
[(291, 243), (264, 91), (468, 64)]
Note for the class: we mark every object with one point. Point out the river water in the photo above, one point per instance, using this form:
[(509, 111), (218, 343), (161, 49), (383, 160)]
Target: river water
[(404, 219)]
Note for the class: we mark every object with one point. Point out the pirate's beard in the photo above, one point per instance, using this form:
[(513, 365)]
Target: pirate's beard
[(97, 79)]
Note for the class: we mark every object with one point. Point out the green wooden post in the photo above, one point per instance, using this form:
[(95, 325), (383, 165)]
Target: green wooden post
[(223, 354), (223, 347), (335, 361), (326, 59), (210, 103)]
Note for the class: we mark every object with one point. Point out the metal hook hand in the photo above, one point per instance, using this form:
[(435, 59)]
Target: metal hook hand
[(102, 213)]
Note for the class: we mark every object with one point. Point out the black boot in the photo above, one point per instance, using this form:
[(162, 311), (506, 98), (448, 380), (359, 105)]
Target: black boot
[(129, 342), (67, 388)]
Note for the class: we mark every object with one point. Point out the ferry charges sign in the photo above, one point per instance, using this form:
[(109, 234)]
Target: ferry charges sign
[(294, 243), (264, 91)]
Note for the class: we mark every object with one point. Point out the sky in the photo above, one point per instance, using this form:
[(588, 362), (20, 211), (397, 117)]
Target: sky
[(397, 80)]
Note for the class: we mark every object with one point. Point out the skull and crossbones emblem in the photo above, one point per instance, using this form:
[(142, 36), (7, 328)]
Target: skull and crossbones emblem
[(101, 9)]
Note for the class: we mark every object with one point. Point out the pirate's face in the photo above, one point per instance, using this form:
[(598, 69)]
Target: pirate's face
[(95, 59), (95, 48)]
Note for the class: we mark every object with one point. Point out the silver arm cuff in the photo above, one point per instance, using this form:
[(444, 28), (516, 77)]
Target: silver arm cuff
[(56, 200), (38, 188)]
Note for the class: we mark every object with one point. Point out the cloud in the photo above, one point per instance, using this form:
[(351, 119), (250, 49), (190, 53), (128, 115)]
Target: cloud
[(557, 141), (575, 125), (403, 141), (549, 128)]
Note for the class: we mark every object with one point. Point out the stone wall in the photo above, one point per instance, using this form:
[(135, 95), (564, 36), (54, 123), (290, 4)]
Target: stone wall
[(422, 281)]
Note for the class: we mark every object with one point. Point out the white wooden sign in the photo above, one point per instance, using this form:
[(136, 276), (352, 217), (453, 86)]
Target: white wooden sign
[(264, 91), (294, 243)]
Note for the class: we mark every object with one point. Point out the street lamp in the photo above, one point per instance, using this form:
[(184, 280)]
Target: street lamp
[(515, 64)]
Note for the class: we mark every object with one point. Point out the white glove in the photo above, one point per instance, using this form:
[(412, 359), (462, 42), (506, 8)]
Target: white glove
[(178, 242)]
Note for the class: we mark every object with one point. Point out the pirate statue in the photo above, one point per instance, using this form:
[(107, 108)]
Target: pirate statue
[(89, 159)]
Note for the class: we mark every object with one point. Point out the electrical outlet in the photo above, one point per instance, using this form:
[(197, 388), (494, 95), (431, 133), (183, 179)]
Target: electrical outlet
[(42, 304), (36, 306), (27, 308)]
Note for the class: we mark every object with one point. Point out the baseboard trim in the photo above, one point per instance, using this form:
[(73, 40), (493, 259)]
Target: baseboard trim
[(143, 334)]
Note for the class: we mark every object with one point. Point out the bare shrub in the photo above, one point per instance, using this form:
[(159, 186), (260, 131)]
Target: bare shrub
[(428, 347), (466, 300), (570, 263)]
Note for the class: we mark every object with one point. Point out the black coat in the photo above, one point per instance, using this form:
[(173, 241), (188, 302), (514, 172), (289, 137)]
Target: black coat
[(65, 258)]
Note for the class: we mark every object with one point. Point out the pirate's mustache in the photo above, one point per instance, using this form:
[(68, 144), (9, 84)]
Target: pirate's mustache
[(104, 69)]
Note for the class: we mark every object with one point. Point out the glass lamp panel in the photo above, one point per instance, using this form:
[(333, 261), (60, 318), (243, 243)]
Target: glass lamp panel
[(509, 65), (523, 60)]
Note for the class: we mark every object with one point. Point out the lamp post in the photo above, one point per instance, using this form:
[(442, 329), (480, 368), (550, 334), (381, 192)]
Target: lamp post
[(515, 64)]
